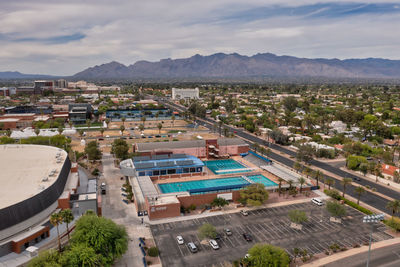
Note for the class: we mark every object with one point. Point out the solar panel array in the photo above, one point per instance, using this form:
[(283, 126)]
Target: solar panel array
[(135, 159), (165, 156), (184, 162), (165, 164), (144, 165), (177, 156)]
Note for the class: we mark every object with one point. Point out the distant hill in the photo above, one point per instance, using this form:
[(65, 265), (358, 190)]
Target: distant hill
[(18, 75), (222, 65)]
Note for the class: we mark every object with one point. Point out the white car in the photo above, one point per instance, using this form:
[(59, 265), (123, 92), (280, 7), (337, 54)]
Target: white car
[(180, 240), (214, 244), (317, 201)]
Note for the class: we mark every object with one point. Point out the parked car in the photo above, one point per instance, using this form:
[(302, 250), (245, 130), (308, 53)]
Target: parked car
[(317, 201), (192, 247), (214, 244), (218, 236), (244, 213), (248, 237), (180, 240), (227, 231)]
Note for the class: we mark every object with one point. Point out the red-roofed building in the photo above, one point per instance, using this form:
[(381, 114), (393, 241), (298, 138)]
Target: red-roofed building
[(389, 169)]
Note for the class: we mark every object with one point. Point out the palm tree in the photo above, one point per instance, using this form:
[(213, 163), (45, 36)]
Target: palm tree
[(394, 206), (70, 124), (88, 123), (173, 120), (108, 121), (329, 182), (143, 119), (159, 126), (297, 166), (8, 132), (141, 127), (37, 131), (80, 132), (102, 131), (123, 119), (301, 181), (345, 182), (280, 180), (359, 191), (67, 217), (317, 176), (122, 129), (55, 220), (377, 171), (60, 130)]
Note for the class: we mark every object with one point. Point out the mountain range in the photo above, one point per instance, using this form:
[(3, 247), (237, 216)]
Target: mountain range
[(221, 66)]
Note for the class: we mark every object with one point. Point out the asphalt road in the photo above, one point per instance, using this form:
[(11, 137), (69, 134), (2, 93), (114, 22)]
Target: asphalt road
[(382, 257), (369, 198)]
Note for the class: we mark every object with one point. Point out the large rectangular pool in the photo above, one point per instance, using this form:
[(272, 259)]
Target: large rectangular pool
[(213, 185), (225, 166)]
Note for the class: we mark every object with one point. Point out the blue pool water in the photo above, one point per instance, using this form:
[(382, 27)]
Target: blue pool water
[(259, 178), (204, 185), (218, 166)]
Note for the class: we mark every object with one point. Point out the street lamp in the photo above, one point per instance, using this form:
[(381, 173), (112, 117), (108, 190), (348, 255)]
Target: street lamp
[(372, 219)]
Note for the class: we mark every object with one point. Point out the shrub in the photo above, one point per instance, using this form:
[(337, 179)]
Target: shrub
[(393, 223), (192, 207), (152, 252), (333, 194)]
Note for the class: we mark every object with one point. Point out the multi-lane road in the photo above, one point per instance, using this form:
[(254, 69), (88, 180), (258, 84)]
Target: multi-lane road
[(371, 199)]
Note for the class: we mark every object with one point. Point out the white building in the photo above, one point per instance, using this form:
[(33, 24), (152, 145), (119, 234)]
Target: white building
[(178, 93)]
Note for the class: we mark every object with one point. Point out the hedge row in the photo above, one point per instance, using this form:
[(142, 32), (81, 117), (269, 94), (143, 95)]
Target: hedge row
[(393, 223), (336, 195)]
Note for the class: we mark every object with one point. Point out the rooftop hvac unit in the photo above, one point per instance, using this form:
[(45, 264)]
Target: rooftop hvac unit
[(45, 179)]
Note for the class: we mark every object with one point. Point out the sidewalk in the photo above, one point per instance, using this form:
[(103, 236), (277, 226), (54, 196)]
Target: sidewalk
[(351, 252)]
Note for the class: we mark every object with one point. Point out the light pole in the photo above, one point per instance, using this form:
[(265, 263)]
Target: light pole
[(372, 219)]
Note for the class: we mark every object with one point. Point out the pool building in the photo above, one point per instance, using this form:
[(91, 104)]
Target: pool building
[(164, 183)]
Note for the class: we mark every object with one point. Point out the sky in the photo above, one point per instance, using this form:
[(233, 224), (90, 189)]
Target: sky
[(63, 37)]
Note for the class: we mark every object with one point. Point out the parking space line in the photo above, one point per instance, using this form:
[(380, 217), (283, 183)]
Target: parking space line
[(260, 229), (273, 234), (259, 233)]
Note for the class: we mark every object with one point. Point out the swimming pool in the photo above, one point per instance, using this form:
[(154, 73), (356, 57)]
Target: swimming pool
[(259, 178), (218, 166), (204, 185)]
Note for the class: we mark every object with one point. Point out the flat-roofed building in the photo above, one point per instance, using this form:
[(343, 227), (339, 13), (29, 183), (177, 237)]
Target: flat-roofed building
[(189, 93)]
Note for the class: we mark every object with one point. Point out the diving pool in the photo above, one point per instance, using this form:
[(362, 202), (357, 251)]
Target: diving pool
[(259, 178), (225, 166)]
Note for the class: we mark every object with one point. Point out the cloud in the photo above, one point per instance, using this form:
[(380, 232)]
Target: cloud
[(64, 37)]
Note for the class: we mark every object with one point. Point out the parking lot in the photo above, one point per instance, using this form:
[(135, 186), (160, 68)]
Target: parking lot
[(269, 225)]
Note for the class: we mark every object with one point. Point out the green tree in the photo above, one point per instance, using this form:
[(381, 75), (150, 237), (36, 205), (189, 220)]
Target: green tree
[(123, 119), (290, 103), (102, 131), (92, 151), (254, 194), (143, 119), (297, 166), (81, 255), (359, 191), (56, 220), (298, 216), (301, 181), (88, 123), (345, 182), (219, 202), (37, 131), (101, 234), (363, 168), (120, 149), (47, 258), (280, 180), (377, 171), (207, 231), (141, 127), (173, 120), (335, 209), (329, 182), (8, 132), (318, 176), (108, 122), (122, 129), (305, 153), (60, 129), (67, 217), (261, 255), (393, 206)]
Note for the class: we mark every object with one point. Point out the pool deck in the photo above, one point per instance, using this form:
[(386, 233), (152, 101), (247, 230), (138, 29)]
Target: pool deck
[(210, 175)]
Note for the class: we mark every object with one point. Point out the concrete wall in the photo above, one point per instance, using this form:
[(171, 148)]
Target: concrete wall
[(198, 200)]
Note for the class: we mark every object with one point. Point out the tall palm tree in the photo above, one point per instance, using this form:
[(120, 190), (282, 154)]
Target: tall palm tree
[(301, 181), (377, 171), (67, 217), (345, 182), (60, 130), (70, 124), (297, 166), (143, 119), (280, 180), (329, 182), (173, 120), (359, 191), (159, 126), (37, 131), (88, 123), (317, 176), (123, 119), (102, 131), (122, 129), (108, 121), (394, 206), (55, 220)]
